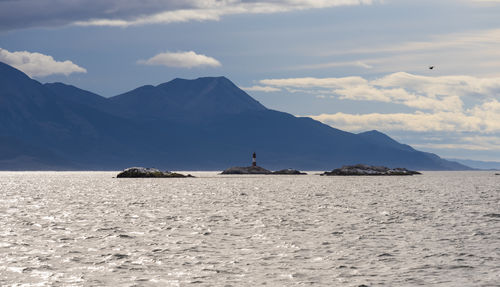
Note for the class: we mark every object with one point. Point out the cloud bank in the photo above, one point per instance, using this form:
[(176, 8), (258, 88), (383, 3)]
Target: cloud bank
[(38, 65), (32, 13), (265, 89), (181, 60), (440, 104)]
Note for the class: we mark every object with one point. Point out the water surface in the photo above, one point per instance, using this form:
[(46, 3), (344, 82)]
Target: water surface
[(90, 229)]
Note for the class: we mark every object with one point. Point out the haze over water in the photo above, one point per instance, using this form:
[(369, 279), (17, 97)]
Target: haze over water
[(90, 229)]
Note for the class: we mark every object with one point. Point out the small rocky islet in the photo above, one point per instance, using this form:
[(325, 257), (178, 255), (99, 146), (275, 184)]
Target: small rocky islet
[(246, 170), (255, 169), (143, 172), (259, 170), (362, 169), (289, 171)]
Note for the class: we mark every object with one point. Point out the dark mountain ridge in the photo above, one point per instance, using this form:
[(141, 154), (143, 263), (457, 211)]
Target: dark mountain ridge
[(185, 99), (203, 124)]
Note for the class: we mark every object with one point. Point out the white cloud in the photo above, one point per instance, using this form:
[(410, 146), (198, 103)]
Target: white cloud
[(203, 10), (358, 64), (443, 85), (160, 18), (471, 146), (38, 65), (310, 82), (265, 89), (474, 143), (181, 60), (419, 92), (483, 118), (439, 102), (416, 122)]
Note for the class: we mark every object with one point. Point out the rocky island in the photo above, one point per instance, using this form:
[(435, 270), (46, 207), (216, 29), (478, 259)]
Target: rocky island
[(142, 172), (259, 170), (255, 169), (362, 169), (246, 170), (289, 171)]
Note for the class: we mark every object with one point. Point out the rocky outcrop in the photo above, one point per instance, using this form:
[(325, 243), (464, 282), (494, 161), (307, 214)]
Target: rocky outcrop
[(246, 170), (288, 171), (361, 169), (258, 170), (142, 172)]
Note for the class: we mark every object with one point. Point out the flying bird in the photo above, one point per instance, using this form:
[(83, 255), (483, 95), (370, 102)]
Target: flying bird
[(431, 67)]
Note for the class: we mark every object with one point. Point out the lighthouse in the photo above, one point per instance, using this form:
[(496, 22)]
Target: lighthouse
[(254, 159)]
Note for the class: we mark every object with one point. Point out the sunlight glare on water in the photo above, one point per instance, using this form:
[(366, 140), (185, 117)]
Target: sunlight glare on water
[(90, 229)]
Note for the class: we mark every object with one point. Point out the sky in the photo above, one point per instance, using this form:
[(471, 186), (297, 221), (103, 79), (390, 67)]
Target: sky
[(356, 65)]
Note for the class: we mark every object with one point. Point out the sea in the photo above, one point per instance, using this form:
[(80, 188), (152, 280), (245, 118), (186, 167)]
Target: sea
[(92, 229)]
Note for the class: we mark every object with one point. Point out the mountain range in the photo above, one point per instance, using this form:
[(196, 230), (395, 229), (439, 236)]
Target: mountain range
[(202, 124), (478, 164)]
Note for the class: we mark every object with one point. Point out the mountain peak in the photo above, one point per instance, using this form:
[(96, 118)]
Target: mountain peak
[(373, 133), (383, 139), (376, 134), (204, 79), (202, 83), (206, 96)]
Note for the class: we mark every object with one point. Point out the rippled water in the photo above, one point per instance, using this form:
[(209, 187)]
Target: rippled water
[(90, 229)]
